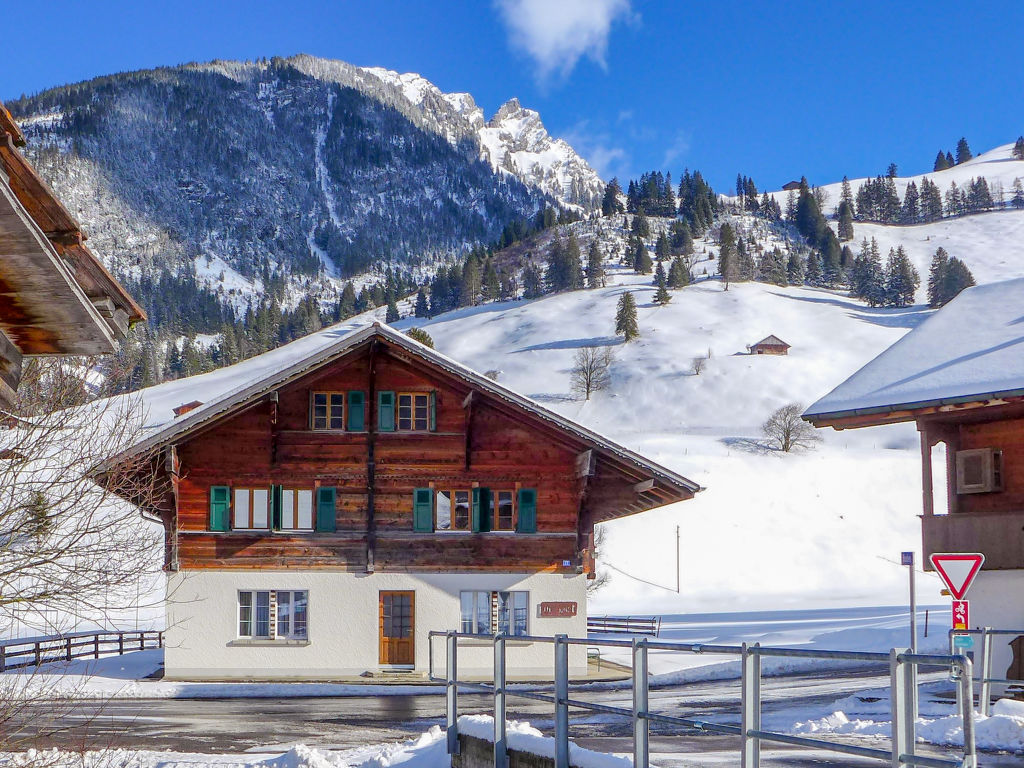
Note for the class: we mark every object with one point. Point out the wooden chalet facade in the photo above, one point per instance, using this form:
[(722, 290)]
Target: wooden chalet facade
[(770, 345), (959, 377), (388, 491), (56, 297)]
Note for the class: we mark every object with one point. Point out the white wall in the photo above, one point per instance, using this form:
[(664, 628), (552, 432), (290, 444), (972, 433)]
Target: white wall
[(997, 600), (202, 643)]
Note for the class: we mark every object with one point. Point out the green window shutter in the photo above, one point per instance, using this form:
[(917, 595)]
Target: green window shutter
[(356, 412), (481, 510), (325, 508), (220, 508), (527, 522), (275, 507), (422, 510), (386, 411), (433, 411)]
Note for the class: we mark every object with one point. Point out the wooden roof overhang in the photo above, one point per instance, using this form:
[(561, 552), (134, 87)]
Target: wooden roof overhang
[(617, 481), (902, 412), (115, 306)]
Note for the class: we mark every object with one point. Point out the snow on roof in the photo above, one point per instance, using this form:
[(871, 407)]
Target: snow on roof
[(971, 350), (223, 390), (771, 341)]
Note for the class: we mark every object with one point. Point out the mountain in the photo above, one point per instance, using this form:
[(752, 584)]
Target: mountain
[(208, 186)]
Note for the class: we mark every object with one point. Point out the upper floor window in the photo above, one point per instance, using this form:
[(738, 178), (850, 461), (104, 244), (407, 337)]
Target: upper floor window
[(503, 510), (328, 410), (273, 508), (474, 509), (413, 411), (251, 509), (451, 510)]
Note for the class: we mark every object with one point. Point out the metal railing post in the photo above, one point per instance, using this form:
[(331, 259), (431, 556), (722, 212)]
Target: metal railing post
[(967, 712), (561, 701), (500, 744), (641, 725), (903, 725), (452, 691), (750, 719), (985, 693)]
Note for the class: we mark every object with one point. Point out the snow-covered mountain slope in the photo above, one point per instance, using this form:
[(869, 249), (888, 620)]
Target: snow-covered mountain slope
[(817, 528)]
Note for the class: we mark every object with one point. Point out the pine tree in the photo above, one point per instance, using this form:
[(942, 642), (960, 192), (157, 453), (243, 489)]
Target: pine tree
[(392, 315), (662, 296), (347, 303), (745, 266), (642, 263), (533, 285), (727, 253), (936, 276), (947, 277), (678, 274), (661, 248), (491, 287), (573, 264), (1018, 149), (772, 268), (610, 204), (941, 163), (1018, 193), (910, 211), (845, 221), (422, 308), (625, 317), (471, 286), (795, 269), (950, 162), (963, 152), (831, 258), (901, 279), (682, 238), (812, 272), (595, 266), (641, 226)]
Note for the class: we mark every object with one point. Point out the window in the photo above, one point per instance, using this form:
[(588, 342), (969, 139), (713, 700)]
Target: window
[(251, 509), (273, 614), (511, 609), (451, 511), (503, 510), (296, 510), (328, 410), (414, 411), (291, 614)]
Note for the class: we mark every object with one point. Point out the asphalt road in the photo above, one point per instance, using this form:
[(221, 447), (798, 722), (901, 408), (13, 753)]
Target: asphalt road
[(239, 725)]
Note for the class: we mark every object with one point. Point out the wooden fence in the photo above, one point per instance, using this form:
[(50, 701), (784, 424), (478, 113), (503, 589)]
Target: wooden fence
[(33, 651), (624, 625)]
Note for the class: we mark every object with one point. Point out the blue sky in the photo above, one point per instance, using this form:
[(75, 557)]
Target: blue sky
[(771, 90)]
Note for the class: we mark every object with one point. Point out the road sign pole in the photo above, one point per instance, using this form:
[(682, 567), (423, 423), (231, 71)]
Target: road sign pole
[(908, 560)]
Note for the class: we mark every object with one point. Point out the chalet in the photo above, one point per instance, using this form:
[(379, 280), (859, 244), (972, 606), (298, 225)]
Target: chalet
[(791, 186), (56, 298), (960, 377), (770, 345), (332, 501)]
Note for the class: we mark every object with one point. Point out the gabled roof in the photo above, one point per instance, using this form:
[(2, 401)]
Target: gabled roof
[(257, 377), (970, 351), (771, 341)]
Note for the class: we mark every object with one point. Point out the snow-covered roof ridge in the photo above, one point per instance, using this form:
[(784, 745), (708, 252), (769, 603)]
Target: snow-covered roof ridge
[(269, 371), (972, 350)]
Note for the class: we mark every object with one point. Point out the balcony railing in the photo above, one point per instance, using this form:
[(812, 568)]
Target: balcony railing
[(997, 535)]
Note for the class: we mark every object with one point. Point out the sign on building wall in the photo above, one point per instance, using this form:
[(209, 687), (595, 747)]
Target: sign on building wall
[(556, 610)]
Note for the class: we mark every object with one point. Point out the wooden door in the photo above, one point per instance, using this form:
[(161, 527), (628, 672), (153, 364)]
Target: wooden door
[(397, 628)]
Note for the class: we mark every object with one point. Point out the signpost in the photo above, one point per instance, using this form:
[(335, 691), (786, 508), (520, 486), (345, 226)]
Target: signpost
[(961, 615), (958, 571)]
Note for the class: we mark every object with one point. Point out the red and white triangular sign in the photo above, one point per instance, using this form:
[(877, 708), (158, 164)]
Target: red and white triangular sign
[(957, 570)]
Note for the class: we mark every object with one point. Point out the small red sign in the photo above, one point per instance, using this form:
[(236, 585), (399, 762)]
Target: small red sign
[(961, 615), (958, 570), (556, 610)]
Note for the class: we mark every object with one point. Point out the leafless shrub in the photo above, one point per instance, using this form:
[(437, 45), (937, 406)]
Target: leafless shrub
[(786, 430), (602, 575), (591, 370), (698, 364)]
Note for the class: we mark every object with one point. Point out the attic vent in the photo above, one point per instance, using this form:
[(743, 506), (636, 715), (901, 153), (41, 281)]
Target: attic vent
[(186, 407), (979, 470)]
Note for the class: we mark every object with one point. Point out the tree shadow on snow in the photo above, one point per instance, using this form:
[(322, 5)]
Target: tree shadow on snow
[(904, 317), (551, 397), (595, 341), (749, 445)]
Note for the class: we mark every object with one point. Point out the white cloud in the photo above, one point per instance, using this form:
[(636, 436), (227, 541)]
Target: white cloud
[(678, 148), (557, 34), (598, 149)]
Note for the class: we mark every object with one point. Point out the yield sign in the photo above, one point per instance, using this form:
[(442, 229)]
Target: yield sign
[(957, 570)]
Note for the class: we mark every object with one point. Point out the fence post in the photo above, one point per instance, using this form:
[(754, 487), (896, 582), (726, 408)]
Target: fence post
[(37, 653), (452, 674), (985, 694), (641, 725), (142, 641), (67, 643), (96, 646), (966, 689), (903, 725), (751, 703), (500, 745), (120, 644), (3, 658), (160, 639), (561, 701)]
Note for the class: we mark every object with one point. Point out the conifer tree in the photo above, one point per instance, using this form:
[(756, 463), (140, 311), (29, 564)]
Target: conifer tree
[(901, 279), (963, 152), (392, 315), (936, 275), (1018, 149), (949, 160), (595, 266), (573, 264), (533, 285), (910, 211), (812, 272), (661, 248), (471, 286), (347, 303), (422, 308), (795, 269), (727, 253), (947, 277), (831, 258), (772, 268), (678, 274), (610, 204), (642, 263), (941, 163), (745, 266), (491, 287), (662, 296), (845, 221), (682, 238), (641, 226), (1018, 193), (626, 322)]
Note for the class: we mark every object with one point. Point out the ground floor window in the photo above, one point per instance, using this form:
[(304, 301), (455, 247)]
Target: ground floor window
[(270, 614), (488, 613)]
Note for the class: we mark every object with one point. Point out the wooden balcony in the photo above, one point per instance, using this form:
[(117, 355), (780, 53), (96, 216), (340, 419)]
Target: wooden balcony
[(999, 536)]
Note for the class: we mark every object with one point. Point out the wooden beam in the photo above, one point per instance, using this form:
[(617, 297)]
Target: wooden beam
[(586, 463), (468, 401), (644, 486), (11, 362), (467, 405)]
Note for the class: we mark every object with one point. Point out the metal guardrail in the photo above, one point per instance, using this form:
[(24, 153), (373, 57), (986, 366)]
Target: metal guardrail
[(901, 664), (624, 625), (31, 652), (985, 678)]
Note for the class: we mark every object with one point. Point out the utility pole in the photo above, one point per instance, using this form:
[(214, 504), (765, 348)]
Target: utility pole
[(677, 560), (907, 559)]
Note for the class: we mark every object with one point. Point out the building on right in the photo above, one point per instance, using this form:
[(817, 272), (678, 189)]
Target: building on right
[(960, 377)]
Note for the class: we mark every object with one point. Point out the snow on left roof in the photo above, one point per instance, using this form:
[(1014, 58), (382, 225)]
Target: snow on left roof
[(971, 350)]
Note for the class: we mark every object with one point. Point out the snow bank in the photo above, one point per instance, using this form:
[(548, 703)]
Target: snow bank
[(523, 737)]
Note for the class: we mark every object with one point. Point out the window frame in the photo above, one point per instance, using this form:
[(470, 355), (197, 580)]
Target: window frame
[(249, 605), (290, 632), (495, 518), (490, 598), (295, 510), (251, 492), (254, 608), (329, 405), (412, 418), (452, 507)]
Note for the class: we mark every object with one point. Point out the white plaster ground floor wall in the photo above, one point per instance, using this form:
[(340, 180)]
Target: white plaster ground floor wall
[(202, 642), (997, 600)]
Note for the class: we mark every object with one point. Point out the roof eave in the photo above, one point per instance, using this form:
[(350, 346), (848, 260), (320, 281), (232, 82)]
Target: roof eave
[(900, 412)]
